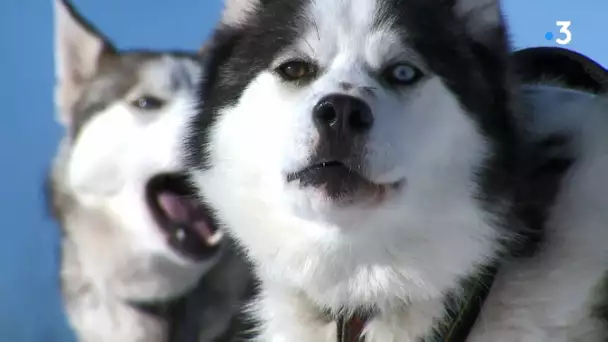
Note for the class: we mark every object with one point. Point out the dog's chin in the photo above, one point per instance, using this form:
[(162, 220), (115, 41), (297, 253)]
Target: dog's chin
[(144, 278), (336, 184)]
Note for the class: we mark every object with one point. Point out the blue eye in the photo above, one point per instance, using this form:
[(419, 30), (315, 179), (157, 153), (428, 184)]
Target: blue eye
[(402, 74)]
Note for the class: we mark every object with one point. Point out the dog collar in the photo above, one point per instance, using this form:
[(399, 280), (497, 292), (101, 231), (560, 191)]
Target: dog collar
[(461, 312)]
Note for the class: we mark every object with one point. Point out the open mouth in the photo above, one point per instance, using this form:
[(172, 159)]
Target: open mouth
[(311, 172), (185, 221), (336, 178), (341, 182)]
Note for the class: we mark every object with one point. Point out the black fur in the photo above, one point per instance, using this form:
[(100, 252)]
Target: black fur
[(212, 311), (601, 309), (571, 68), (478, 70), (548, 160), (481, 81), (236, 55)]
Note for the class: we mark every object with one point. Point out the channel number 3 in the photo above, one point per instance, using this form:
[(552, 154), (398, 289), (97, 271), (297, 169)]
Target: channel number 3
[(564, 28)]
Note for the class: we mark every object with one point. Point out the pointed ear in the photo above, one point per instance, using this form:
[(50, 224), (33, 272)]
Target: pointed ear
[(483, 18), (78, 50), (236, 11)]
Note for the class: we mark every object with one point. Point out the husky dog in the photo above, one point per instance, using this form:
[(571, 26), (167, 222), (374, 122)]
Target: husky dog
[(561, 293), (373, 157), (134, 237)]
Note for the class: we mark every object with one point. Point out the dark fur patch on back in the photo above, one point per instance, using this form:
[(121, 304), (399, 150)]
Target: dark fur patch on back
[(568, 67), (543, 165), (223, 292)]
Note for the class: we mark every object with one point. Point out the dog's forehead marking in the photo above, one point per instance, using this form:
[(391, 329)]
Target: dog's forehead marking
[(354, 16), (357, 34), (165, 76), (334, 25)]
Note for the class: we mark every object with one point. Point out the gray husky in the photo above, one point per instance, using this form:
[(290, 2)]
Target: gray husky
[(394, 180), (135, 240)]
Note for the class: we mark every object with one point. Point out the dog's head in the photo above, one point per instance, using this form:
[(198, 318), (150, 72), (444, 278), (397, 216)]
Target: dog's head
[(341, 119), (118, 185)]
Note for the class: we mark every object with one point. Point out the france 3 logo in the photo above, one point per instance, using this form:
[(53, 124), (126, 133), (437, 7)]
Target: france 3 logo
[(565, 33)]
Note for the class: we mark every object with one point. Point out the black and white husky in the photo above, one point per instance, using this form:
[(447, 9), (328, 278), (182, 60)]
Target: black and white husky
[(379, 162), (134, 238)]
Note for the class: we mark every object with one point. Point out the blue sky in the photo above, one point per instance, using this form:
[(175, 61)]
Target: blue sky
[(30, 308)]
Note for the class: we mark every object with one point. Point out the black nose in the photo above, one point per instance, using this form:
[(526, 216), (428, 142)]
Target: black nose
[(342, 116)]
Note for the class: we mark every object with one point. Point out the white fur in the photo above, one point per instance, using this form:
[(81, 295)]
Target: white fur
[(115, 242), (118, 151), (113, 250), (236, 11), (403, 253), (76, 61), (549, 297), (406, 251)]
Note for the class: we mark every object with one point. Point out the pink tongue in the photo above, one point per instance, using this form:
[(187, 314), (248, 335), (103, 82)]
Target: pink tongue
[(185, 210), (174, 207), (203, 229)]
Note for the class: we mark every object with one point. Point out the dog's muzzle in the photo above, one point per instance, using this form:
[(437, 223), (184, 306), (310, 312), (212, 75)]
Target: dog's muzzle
[(342, 122)]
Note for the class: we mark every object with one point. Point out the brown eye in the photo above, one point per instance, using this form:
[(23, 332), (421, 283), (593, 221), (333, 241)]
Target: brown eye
[(296, 70), (148, 102)]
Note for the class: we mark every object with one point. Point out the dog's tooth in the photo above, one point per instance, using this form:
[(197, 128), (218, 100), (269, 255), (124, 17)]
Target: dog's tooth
[(180, 234), (215, 238)]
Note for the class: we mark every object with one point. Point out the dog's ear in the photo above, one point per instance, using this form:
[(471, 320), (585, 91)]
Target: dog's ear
[(79, 48), (483, 19), (236, 11)]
